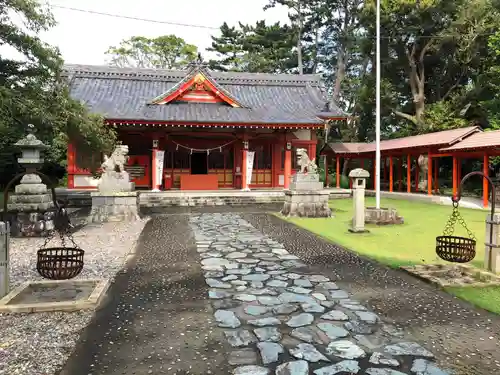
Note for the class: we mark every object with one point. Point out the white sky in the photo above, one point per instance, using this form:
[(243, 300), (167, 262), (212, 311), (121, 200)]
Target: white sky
[(83, 38)]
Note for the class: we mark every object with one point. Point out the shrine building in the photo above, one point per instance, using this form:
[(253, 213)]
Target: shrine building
[(207, 126)]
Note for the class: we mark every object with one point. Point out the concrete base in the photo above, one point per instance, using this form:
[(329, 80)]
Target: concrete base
[(64, 295), (382, 216), (114, 207), (305, 203), (450, 275), (359, 231)]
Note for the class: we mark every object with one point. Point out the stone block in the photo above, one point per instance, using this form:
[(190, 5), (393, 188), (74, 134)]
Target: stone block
[(382, 216), (24, 198), (302, 181), (114, 207), (31, 189), (306, 204)]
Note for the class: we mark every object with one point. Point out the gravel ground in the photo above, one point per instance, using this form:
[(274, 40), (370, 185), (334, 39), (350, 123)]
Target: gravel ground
[(158, 319), (40, 343), (463, 338)]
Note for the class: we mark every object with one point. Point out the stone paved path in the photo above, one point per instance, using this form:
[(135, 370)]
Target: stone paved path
[(279, 318)]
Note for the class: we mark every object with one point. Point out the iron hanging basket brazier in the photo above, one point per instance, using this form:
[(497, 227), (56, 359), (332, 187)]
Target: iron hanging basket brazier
[(63, 262), (59, 263), (455, 248), (55, 263)]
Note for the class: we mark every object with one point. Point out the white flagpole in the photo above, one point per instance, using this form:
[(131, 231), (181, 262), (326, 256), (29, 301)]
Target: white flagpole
[(377, 113)]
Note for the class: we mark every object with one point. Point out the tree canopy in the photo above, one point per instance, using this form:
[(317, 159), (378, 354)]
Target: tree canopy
[(32, 91), (166, 51)]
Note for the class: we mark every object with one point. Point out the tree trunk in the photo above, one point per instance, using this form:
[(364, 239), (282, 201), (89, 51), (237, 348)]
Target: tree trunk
[(300, 63), (345, 166)]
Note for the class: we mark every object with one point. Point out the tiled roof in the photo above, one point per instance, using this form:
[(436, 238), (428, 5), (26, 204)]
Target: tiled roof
[(483, 140), (444, 138), (125, 94)]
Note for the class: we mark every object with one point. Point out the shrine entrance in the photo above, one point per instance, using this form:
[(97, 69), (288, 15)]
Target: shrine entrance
[(199, 163)]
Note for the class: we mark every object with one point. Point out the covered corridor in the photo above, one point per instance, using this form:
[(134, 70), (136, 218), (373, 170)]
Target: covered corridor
[(414, 161)]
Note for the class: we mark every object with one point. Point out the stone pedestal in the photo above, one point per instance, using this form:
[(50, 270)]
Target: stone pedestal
[(306, 197), (492, 253), (119, 206), (382, 216), (358, 177), (31, 208), (113, 182)]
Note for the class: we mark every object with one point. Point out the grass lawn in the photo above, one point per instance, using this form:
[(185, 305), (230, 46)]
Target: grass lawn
[(410, 243)]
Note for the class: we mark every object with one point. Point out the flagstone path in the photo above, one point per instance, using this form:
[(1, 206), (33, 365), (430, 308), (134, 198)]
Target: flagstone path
[(279, 318)]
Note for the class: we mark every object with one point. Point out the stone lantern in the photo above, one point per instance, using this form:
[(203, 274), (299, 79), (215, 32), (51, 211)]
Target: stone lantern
[(31, 204), (358, 177)]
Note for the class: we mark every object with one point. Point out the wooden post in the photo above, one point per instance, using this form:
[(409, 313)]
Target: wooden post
[(400, 174), (455, 176), (326, 171), (363, 163), (337, 173), (408, 173), (486, 161), (374, 174), (391, 180)]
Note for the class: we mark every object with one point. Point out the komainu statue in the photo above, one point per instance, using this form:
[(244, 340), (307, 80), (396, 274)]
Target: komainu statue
[(115, 178), (116, 162), (306, 165)]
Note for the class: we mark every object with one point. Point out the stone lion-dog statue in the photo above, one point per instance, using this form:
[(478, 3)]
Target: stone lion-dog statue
[(116, 161), (306, 165)]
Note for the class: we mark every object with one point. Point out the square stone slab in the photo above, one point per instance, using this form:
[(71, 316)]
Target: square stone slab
[(54, 295)]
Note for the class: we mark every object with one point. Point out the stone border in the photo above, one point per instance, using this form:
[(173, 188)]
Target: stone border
[(68, 306), (424, 273)]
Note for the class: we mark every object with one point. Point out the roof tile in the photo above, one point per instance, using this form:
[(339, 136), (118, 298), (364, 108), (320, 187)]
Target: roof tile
[(442, 138), (124, 94)]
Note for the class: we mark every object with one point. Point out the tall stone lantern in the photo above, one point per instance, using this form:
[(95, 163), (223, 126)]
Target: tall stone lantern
[(31, 203)]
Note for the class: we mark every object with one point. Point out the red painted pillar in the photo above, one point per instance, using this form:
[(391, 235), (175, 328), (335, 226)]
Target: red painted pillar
[(337, 172), (429, 174), (455, 176), (391, 179), (288, 165), (374, 174), (408, 173), (71, 166), (486, 169)]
